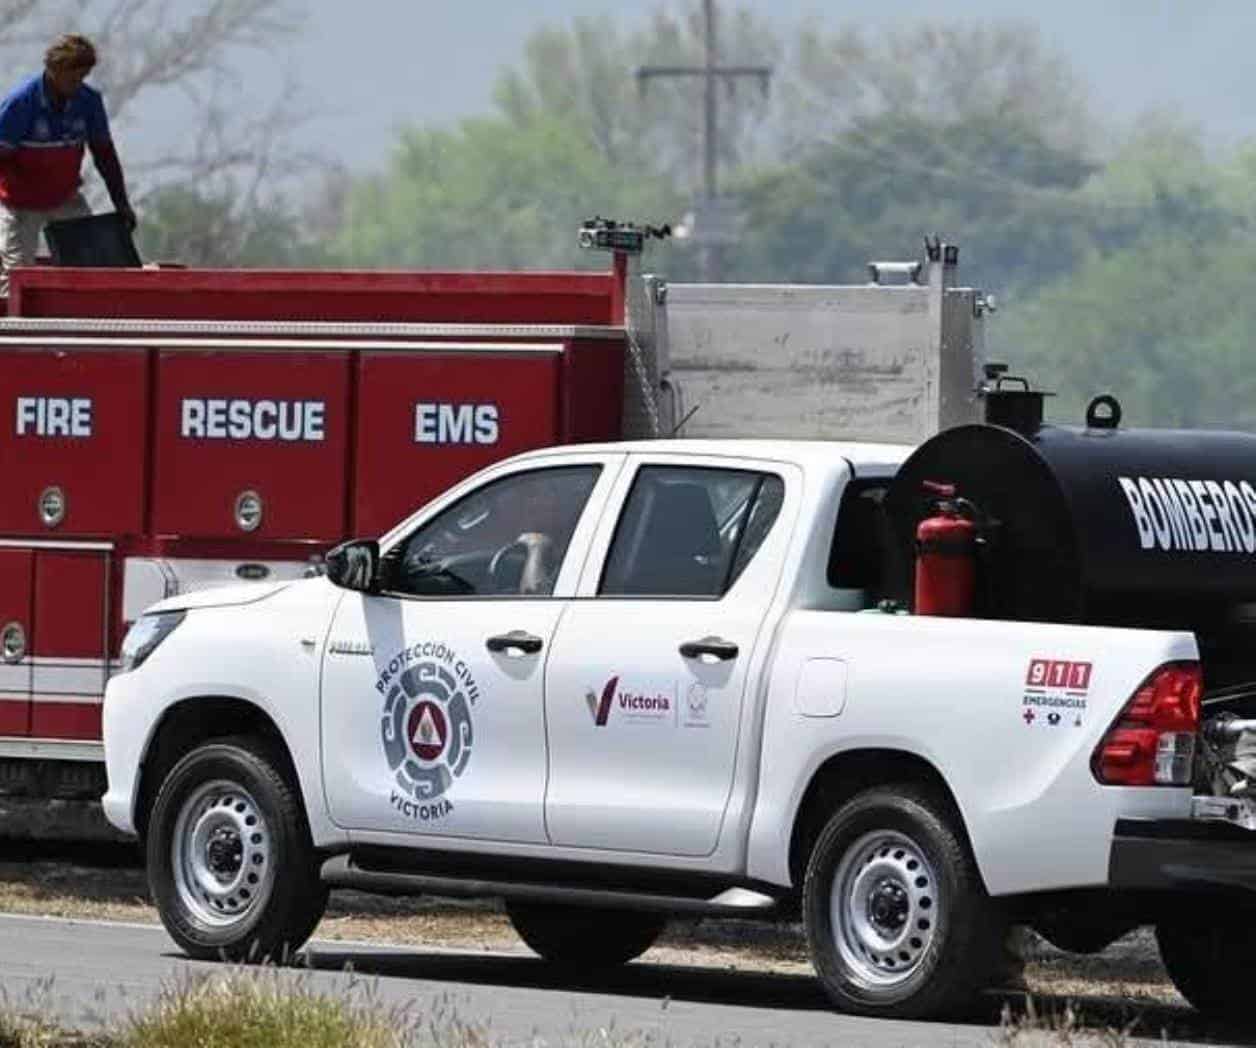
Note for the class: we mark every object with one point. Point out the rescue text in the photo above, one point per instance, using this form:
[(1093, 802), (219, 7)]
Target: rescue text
[(286, 420)]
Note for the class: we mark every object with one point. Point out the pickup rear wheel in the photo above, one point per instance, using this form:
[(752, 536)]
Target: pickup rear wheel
[(898, 921), (1208, 957), (575, 936), (230, 863)]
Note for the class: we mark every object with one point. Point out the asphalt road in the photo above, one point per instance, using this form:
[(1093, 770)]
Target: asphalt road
[(87, 973)]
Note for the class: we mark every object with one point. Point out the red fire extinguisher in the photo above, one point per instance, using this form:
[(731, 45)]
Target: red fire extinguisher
[(946, 556)]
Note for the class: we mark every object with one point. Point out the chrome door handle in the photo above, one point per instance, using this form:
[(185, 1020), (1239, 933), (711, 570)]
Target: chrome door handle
[(710, 647), (515, 643)]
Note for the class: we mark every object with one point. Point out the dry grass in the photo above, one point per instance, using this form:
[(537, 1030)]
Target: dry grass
[(57, 889), (20, 1030), (255, 1009), (1034, 1027), (25, 1023), (239, 1011)]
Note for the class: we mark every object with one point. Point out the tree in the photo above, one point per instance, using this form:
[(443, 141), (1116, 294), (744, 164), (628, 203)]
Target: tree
[(1158, 311), (1167, 326), (585, 76), (213, 228), (939, 73), (1160, 177), (977, 132), (998, 188), (490, 194)]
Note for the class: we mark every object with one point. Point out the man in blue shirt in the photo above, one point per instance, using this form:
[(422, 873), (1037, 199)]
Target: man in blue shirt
[(45, 124)]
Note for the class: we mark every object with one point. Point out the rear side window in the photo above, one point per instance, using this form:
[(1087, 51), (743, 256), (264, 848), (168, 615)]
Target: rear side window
[(862, 539), (690, 531)]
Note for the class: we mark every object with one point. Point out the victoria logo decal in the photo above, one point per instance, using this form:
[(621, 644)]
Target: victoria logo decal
[(600, 707), (426, 727), (636, 704)]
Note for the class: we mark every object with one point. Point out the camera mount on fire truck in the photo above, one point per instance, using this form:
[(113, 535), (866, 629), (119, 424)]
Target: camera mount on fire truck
[(606, 234)]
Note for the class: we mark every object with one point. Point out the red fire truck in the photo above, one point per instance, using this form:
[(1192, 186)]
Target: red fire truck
[(165, 430), (173, 429)]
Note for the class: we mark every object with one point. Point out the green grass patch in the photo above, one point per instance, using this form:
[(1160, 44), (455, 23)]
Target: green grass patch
[(250, 1009), (240, 1011)]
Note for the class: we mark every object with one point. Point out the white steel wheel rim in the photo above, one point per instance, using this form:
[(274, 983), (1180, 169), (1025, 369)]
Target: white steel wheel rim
[(222, 854), (885, 907)]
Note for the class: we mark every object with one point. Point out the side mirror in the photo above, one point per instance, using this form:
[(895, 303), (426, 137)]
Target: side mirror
[(355, 565)]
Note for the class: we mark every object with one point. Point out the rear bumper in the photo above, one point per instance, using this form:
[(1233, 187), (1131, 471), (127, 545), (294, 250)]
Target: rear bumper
[(1182, 855)]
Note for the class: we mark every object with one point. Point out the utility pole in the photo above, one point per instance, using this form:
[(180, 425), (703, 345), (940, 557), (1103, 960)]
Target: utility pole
[(713, 73)]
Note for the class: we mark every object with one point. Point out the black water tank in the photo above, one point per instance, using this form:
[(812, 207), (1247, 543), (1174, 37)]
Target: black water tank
[(1097, 524)]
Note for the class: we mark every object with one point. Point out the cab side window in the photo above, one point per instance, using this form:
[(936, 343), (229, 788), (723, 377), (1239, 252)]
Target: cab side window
[(689, 531), (507, 538), (862, 540)]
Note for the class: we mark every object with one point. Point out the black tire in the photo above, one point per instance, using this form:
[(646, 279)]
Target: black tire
[(265, 901), (904, 864), (575, 936), (1208, 955)]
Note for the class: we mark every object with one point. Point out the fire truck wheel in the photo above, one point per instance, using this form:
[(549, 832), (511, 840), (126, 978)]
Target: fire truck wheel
[(897, 919), (230, 862), (579, 937), (1208, 957)]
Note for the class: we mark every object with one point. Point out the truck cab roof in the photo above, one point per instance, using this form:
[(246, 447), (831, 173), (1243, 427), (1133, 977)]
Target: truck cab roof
[(868, 459)]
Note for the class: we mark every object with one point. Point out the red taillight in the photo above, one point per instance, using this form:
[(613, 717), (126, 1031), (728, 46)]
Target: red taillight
[(1153, 741)]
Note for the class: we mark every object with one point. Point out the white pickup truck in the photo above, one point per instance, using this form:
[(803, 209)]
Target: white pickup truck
[(615, 683)]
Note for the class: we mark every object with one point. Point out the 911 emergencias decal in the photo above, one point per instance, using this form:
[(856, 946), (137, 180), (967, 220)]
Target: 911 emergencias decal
[(426, 727), (1056, 692)]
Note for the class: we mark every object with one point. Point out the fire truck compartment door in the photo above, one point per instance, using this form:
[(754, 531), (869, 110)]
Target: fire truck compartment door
[(435, 413), (16, 584), (70, 654), (251, 443), (73, 448)]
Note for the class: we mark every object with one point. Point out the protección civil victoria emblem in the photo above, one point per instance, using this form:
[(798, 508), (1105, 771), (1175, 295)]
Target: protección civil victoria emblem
[(426, 727)]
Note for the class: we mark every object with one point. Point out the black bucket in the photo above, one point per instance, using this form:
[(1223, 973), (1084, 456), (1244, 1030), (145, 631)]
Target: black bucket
[(1020, 410), (95, 240)]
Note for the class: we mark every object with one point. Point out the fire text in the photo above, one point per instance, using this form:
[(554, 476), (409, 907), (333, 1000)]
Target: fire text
[(54, 416)]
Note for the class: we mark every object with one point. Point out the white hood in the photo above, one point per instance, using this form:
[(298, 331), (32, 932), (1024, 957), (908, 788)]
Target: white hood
[(220, 596)]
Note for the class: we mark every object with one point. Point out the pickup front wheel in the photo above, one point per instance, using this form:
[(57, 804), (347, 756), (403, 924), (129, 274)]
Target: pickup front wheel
[(576, 936), (897, 919), (230, 863)]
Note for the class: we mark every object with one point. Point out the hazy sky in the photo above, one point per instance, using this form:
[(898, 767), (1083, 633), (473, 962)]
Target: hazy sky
[(373, 65), (378, 63)]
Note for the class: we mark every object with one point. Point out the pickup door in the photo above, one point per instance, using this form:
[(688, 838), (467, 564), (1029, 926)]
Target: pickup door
[(432, 690), (648, 674)]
